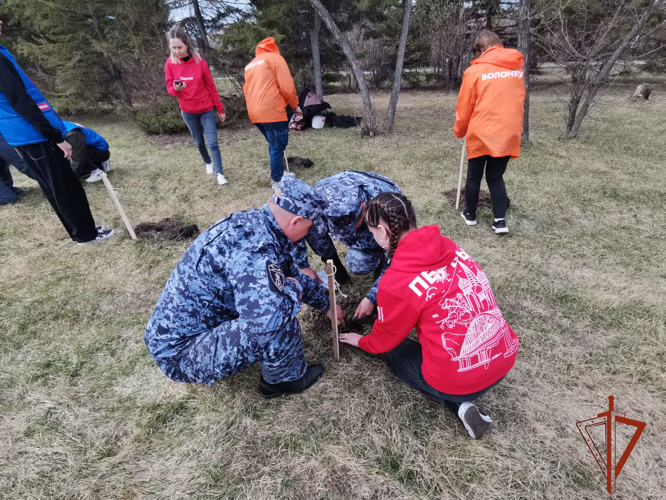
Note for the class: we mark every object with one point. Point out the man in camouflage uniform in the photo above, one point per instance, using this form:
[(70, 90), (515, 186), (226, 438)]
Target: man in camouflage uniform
[(232, 300), (346, 195)]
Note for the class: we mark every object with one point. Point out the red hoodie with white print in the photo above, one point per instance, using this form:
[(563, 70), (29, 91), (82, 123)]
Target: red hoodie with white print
[(433, 285)]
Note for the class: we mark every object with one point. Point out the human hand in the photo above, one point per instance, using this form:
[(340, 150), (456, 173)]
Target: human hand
[(308, 271), (179, 86), (66, 148), (350, 338), (340, 314), (223, 117), (364, 309)]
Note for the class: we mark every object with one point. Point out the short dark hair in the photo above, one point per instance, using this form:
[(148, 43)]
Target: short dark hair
[(484, 40)]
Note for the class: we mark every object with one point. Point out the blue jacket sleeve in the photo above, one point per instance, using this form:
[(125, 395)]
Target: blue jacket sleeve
[(314, 294), (300, 255), (322, 245), (372, 294)]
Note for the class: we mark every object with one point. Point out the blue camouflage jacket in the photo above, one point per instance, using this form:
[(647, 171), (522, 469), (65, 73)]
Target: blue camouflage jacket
[(345, 193), (234, 271)]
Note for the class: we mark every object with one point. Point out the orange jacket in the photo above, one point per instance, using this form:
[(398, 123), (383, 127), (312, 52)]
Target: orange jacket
[(268, 85), (490, 104)]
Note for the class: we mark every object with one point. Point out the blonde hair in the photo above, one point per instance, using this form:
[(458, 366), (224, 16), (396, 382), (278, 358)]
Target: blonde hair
[(181, 34), (484, 40)]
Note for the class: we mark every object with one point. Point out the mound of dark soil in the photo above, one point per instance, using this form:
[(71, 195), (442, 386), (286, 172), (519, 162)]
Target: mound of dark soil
[(169, 229), (484, 198), (321, 322), (298, 162)]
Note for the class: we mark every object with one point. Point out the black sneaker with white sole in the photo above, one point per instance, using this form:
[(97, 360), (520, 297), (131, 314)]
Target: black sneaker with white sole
[(500, 226), (476, 423), (469, 219), (101, 236)]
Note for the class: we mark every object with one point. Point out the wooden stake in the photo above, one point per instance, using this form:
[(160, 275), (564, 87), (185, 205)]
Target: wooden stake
[(334, 309), (286, 161), (462, 161), (114, 198)]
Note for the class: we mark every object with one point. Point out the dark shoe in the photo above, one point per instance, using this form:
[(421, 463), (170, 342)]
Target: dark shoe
[(469, 219), (341, 274), (312, 374), (382, 265), (19, 191), (476, 423), (101, 236), (500, 226)]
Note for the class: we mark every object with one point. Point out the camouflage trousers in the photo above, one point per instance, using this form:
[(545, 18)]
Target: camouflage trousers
[(363, 261), (228, 349)]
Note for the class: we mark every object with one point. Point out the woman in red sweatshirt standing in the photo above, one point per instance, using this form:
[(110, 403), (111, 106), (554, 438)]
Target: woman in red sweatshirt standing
[(188, 78), (466, 347)]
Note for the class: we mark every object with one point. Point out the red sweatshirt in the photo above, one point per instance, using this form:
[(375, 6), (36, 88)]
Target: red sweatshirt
[(434, 285), (200, 94)]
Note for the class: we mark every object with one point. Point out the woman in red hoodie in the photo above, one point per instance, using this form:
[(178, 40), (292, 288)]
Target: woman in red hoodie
[(489, 113), (466, 347), (188, 78)]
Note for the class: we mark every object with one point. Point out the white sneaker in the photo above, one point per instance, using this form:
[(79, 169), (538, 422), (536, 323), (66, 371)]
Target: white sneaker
[(289, 174), (106, 165), (221, 180), (95, 175), (474, 421), (209, 169)]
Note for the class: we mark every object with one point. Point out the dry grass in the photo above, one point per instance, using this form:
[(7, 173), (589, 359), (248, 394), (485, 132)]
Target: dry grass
[(85, 413)]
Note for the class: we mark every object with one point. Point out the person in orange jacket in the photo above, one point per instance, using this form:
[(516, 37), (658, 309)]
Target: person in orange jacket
[(268, 89), (489, 113)]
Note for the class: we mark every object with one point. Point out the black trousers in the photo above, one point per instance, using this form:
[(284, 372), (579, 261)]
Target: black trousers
[(405, 363), (495, 168), (85, 158), (61, 188)]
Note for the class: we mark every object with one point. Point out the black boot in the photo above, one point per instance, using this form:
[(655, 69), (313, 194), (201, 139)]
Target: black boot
[(312, 374), (341, 274), (382, 265)]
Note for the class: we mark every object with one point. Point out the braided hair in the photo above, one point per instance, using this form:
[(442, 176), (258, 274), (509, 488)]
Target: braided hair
[(393, 209)]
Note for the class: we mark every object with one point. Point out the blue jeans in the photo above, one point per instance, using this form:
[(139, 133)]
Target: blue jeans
[(277, 135), (8, 155), (7, 193), (200, 124)]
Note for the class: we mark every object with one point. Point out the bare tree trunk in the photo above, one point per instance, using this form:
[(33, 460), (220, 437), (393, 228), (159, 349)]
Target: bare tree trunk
[(316, 59), (524, 48), (369, 122), (598, 80), (113, 70), (397, 76), (202, 27)]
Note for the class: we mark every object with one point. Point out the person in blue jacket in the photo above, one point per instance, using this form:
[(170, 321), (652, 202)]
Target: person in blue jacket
[(232, 299), (29, 124), (90, 151)]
